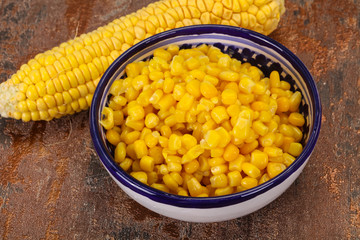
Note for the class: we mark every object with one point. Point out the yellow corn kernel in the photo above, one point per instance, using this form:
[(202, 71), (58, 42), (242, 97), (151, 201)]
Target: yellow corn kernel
[(296, 119), (170, 157), (188, 141), (169, 84), (171, 120), (224, 61), (194, 187), (163, 54), (236, 164), (212, 138), (249, 182), (231, 152), (216, 152), (182, 192), (160, 186), (295, 101), (185, 102), (241, 128), (219, 181), (138, 82), (245, 99), (249, 147), (273, 126), (219, 169), (162, 169), (165, 131), (140, 176), (156, 153), (225, 136), (156, 96), (219, 114), (191, 166), (203, 164), (216, 161), (246, 85), (279, 140), (192, 63), (193, 87), (126, 164), (224, 191), (151, 139), (131, 137), (251, 170), (207, 126), (136, 112), (136, 125), (283, 104), (163, 141), (135, 167), (295, 149), (147, 163), (170, 182), (297, 133), (174, 167), (273, 169), (286, 130), (285, 85), (259, 106), (113, 137), (132, 69), (234, 178), (152, 177), (282, 118), (264, 178), (166, 102), (267, 140), (273, 151), (174, 142), (286, 143), (229, 96), (140, 149), (131, 94), (120, 152), (193, 153), (156, 75), (260, 128), (274, 79), (179, 91), (259, 159), (107, 120), (288, 159), (265, 116), (208, 90)]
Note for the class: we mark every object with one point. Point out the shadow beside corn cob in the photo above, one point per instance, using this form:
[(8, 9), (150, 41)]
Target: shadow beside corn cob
[(62, 81)]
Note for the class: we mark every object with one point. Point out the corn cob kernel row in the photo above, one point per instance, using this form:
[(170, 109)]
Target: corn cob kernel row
[(196, 122), (61, 81)]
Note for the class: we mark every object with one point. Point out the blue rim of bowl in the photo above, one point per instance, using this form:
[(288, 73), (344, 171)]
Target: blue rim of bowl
[(208, 202)]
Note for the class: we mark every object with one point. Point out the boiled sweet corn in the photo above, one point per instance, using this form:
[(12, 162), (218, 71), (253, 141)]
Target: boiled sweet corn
[(192, 137), (62, 81)]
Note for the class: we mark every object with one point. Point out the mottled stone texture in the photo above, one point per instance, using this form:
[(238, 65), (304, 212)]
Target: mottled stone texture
[(52, 185)]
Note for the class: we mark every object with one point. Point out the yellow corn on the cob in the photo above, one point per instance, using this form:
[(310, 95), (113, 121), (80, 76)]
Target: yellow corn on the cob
[(62, 81)]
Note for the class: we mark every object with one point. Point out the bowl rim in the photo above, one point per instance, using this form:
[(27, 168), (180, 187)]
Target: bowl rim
[(207, 202)]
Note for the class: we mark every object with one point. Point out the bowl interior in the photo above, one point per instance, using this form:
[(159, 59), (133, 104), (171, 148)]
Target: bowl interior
[(244, 45)]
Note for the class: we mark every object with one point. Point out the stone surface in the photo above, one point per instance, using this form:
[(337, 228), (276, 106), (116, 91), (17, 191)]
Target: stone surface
[(52, 185)]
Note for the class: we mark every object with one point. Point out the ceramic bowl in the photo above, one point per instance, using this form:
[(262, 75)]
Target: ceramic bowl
[(247, 46)]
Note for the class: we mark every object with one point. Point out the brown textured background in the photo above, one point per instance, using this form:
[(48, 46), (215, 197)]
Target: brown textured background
[(52, 185)]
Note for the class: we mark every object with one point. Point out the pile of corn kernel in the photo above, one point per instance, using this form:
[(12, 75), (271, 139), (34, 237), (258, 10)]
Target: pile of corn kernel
[(196, 122)]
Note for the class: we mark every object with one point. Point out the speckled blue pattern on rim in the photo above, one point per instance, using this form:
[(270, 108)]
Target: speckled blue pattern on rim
[(221, 34)]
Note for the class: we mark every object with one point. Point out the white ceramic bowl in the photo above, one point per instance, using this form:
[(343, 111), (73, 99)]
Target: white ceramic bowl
[(246, 46)]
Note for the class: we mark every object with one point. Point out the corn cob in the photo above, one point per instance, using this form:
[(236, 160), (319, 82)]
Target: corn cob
[(62, 81)]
